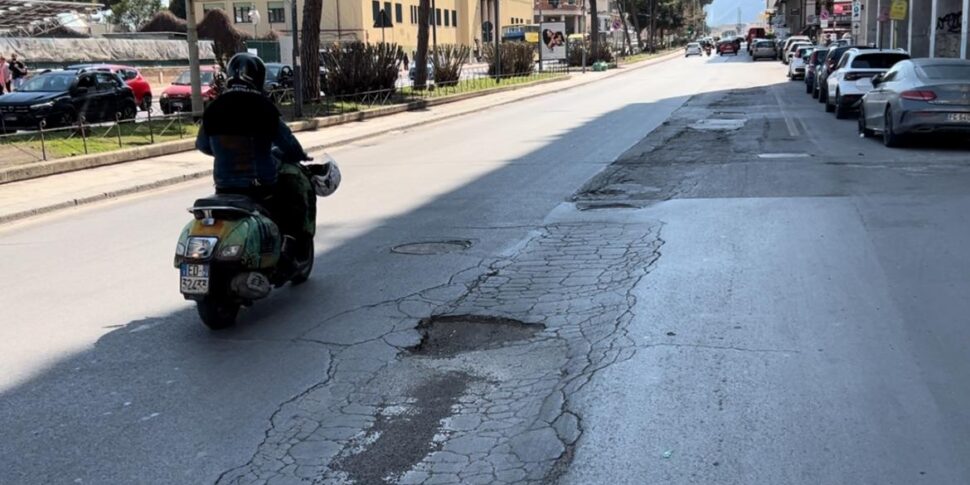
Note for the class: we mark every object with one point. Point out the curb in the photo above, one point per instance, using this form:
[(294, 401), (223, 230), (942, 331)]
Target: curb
[(324, 122)]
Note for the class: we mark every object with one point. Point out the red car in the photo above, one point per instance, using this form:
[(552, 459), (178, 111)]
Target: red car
[(178, 96), (728, 47), (139, 86)]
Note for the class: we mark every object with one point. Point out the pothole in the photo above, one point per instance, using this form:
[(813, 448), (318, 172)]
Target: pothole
[(593, 206), (432, 247), (449, 335), (719, 124)]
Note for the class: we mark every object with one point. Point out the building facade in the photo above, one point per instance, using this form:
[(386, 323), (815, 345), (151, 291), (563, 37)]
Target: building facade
[(453, 21)]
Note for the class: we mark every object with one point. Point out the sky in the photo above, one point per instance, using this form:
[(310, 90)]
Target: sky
[(726, 11)]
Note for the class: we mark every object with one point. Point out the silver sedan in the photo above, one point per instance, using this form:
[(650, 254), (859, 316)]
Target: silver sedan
[(918, 96)]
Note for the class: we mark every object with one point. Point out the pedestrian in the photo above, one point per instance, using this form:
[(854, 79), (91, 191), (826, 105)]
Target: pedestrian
[(405, 61), (4, 75), (18, 71)]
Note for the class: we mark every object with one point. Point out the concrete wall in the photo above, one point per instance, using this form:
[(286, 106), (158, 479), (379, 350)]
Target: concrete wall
[(947, 26)]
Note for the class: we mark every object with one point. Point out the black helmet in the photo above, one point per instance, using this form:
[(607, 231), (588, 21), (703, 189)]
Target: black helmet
[(246, 71)]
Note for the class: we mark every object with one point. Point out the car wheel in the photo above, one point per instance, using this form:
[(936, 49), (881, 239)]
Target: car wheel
[(808, 88), (64, 118), (889, 136), (129, 111), (863, 129), (828, 106), (841, 111), (146, 102)]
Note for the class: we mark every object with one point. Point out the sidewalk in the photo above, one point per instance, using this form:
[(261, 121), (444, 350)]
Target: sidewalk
[(20, 200)]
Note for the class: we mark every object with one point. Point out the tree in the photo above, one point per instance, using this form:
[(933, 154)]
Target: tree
[(421, 56), (131, 14), (595, 28), (310, 48), (177, 7)]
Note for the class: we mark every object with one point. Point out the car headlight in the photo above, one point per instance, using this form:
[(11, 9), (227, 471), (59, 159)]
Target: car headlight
[(43, 105), (200, 247)]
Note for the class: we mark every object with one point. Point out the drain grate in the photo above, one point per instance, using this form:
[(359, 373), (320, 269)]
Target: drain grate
[(432, 247), (449, 335)]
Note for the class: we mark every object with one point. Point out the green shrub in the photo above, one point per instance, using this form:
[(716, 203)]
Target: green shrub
[(575, 54), (356, 67), (448, 61), (518, 58)]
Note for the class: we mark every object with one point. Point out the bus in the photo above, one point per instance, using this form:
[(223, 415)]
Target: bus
[(521, 33)]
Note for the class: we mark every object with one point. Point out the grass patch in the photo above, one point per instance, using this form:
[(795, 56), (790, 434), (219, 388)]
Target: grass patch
[(481, 84), (30, 147), (644, 56)]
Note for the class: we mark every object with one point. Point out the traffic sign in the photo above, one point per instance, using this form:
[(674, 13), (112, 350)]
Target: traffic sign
[(824, 15), (857, 10), (898, 10)]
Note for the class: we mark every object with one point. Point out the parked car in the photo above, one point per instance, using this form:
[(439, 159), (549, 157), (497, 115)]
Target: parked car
[(852, 77), (178, 96), (58, 98), (796, 68), (918, 96), (278, 76), (792, 49), (727, 47), (779, 48), (763, 49), (130, 75), (822, 72), (693, 48), (786, 50), (811, 69)]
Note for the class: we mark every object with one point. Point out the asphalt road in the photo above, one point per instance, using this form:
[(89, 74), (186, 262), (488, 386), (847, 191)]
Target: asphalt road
[(688, 273)]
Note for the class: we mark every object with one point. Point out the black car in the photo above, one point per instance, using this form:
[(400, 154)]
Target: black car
[(278, 76), (59, 97)]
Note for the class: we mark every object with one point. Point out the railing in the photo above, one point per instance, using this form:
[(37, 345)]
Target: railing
[(43, 143)]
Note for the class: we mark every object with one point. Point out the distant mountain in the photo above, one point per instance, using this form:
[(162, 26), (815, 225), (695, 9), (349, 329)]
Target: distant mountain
[(726, 11)]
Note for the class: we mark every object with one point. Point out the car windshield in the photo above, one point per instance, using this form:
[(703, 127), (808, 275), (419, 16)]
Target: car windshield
[(878, 61), (185, 78), (947, 71), (52, 82)]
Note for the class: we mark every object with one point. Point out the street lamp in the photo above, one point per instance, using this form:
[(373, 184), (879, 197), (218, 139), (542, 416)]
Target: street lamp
[(254, 18)]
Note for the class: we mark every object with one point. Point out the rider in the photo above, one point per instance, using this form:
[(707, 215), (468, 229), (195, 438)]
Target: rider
[(240, 129)]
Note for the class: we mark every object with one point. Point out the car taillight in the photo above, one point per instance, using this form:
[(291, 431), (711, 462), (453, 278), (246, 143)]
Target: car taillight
[(852, 76), (918, 95)]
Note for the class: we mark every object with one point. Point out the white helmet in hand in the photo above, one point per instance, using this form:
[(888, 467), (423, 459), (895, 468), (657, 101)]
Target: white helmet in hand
[(325, 176)]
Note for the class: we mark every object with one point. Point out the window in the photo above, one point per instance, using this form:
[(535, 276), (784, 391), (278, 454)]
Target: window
[(376, 9), (945, 71), (107, 81), (399, 13), (414, 15), (276, 12), (454, 18), (388, 12), (878, 61), (437, 16), (447, 19), (207, 7), (240, 12)]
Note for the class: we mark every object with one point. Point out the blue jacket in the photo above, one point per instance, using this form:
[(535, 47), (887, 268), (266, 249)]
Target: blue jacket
[(240, 129)]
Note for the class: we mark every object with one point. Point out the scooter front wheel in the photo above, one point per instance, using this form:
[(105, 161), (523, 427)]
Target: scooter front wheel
[(217, 313)]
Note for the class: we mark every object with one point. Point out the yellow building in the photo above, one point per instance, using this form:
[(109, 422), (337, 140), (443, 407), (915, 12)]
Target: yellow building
[(454, 21)]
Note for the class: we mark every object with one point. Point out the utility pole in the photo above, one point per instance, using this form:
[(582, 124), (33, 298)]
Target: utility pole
[(434, 29), (498, 47), (194, 73), (297, 69)]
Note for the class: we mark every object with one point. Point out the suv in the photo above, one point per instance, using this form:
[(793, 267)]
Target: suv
[(826, 67), (59, 98), (851, 78), (138, 84)]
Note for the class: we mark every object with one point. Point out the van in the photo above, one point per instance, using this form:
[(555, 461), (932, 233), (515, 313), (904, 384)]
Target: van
[(755, 33)]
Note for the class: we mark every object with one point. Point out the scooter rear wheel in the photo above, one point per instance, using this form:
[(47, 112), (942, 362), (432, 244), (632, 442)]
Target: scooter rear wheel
[(217, 313), (307, 261)]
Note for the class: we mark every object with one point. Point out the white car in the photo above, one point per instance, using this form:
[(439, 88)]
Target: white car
[(693, 48), (786, 50), (852, 77), (796, 67)]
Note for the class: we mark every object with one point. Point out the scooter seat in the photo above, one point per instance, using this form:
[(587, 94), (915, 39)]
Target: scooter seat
[(220, 202)]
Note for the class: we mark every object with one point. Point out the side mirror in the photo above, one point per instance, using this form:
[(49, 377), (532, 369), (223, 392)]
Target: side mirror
[(878, 79)]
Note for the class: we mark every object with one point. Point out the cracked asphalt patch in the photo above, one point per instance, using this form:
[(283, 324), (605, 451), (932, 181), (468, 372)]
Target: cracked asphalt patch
[(379, 413)]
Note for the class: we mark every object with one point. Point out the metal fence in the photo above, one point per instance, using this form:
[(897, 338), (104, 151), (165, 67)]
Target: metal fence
[(82, 138)]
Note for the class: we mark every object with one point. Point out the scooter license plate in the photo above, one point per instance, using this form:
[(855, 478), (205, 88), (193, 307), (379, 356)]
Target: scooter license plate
[(194, 279)]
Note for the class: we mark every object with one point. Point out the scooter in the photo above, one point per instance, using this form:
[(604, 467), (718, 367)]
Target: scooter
[(232, 254), (707, 50)]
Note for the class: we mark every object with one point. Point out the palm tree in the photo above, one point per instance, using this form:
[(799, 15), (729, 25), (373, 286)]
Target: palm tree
[(310, 49), (421, 56)]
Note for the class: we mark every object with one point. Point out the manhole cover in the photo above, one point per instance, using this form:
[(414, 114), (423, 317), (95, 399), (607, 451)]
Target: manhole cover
[(432, 247), (783, 155), (449, 335), (719, 124)]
